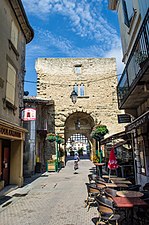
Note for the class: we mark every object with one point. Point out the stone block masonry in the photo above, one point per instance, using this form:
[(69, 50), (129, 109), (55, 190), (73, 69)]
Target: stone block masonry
[(56, 80)]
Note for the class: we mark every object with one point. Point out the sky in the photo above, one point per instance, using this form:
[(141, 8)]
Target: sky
[(70, 29)]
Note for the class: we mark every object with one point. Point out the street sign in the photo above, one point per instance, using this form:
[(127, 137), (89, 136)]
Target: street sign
[(124, 118), (28, 114)]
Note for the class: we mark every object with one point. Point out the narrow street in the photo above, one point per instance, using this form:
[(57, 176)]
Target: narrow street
[(53, 198)]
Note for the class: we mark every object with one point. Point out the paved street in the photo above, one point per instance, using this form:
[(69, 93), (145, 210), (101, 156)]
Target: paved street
[(53, 198)]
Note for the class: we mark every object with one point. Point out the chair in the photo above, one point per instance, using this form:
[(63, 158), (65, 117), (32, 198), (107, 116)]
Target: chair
[(135, 187), (101, 185), (101, 179), (146, 187), (106, 211), (110, 193), (92, 192), (92, 178), (145, 195), (143, 213)]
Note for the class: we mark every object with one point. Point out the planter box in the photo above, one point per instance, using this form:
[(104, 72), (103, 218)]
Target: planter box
[(51, 166)]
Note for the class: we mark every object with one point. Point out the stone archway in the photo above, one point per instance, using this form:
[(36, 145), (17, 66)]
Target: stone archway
[(80, 123)]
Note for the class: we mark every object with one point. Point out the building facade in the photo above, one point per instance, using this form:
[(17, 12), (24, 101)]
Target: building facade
[(133, 87), (15, 34), (35, 141), (94, 80)]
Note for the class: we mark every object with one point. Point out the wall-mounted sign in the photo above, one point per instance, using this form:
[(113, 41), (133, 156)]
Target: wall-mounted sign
[(7, 132), (124, 118), (28, 114), (144, 118)]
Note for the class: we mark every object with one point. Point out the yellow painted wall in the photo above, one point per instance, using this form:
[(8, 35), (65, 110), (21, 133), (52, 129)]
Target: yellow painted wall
[(16, 163)]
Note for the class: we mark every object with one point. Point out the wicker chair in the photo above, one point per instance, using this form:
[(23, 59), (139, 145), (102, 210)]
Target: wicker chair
[(110, 193), (92, 192), (106, 211), (101, 185), (92, 178), (134, 187), (146, 187)]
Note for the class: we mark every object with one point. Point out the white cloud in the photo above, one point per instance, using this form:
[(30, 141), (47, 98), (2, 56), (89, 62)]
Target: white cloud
[(116, 53), (61, 45), (84, 18)]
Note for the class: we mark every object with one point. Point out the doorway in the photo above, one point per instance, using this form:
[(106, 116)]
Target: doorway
[(6, 161)]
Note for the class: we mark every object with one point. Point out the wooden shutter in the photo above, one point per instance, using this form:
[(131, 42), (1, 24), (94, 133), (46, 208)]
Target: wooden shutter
[(11, 83), (14, 34)]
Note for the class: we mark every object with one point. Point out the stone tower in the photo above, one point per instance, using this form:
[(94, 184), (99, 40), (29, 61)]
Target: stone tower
[(95, 81)]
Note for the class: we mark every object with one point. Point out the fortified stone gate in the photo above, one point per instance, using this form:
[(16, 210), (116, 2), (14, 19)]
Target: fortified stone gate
[(79, 123), (95, 81)]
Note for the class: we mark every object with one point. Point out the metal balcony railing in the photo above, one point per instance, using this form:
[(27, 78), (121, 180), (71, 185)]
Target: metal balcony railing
[(139, 55)]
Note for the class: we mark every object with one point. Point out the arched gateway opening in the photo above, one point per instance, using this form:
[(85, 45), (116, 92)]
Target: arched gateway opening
[(78, 143), (78, 127)]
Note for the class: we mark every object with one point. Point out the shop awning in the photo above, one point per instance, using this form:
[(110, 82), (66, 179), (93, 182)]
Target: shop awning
[(144, 118), (117, 136)]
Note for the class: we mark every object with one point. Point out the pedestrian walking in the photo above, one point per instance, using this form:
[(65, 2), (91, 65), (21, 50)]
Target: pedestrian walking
[(76, 160)]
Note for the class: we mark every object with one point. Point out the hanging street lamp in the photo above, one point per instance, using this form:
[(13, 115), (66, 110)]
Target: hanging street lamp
[(74, 96)]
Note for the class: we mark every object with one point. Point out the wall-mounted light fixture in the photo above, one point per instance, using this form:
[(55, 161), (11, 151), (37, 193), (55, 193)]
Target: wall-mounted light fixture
[(77, 124), (74, 96)]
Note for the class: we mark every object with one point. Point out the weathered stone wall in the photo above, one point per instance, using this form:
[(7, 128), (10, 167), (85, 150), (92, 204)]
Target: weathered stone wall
[(56, 78), (8, 55)]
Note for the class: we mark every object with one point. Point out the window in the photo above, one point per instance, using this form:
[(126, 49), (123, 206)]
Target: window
[(76, 88), (128, 11), (77, 69), (14, 34), (10, 85), (82, 90)]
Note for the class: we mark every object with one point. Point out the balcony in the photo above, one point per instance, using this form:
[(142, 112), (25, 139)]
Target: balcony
[(133, 87), (42, 127)]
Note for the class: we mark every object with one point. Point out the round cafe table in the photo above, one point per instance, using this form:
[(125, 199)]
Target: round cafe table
[(129, 194)]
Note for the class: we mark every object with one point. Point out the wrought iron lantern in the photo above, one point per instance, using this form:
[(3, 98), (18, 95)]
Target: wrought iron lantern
[(74, 96)]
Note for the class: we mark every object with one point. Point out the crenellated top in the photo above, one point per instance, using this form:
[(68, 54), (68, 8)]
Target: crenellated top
[(19, 11)]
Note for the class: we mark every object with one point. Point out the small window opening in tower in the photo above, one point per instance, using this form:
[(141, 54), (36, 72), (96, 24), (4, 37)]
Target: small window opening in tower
[(77, 69)]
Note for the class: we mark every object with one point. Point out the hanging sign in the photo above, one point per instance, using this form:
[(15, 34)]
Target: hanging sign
[(124, 118), (28, 114)]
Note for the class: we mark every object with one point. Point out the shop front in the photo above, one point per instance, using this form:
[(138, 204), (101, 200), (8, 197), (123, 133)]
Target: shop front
[(140, 130), (11, 154), (122, 144)]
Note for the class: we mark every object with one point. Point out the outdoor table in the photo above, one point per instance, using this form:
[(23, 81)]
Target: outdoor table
[(129, 194), (99, 168), (117, 178), (111, 185), (109, 176), (121, 181), (129, 203)]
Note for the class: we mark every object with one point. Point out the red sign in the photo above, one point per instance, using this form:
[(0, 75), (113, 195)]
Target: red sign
[(28, 114)]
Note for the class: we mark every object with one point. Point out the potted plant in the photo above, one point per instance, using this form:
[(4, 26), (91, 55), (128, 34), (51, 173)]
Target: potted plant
[(99, 131), (51, 137), (59, 139)]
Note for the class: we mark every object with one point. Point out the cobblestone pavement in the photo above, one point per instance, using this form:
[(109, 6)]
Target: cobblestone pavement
[(52, 199)]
